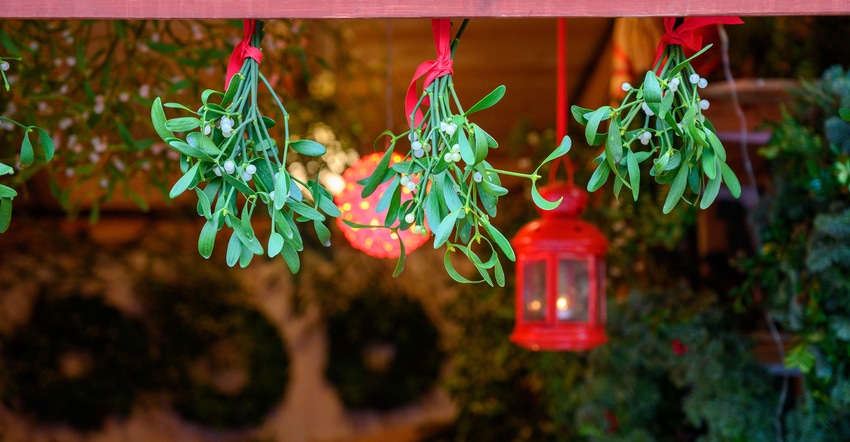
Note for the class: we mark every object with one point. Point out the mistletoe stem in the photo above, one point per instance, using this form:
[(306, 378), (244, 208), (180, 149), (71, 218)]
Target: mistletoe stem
[(458, 35)]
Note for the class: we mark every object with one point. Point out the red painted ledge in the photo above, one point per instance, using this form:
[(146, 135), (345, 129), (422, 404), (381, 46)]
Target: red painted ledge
[(218, 9)]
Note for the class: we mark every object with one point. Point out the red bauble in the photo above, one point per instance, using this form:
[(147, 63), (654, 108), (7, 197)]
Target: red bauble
[(378, 242)]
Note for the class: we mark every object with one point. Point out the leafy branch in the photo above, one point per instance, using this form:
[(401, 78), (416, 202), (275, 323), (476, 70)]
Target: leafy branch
[(455, 189), (28, 155), (227, 146), (662, 120)]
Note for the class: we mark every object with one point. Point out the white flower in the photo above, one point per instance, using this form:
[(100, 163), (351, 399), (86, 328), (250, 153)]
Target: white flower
[(477, 177), (411, 186), (99, 145), (404, 180), (207, 129), (456, 148), (99, 104), (456, 157), (703, 104), (448, 157), (702, 83), (271, 195), (694, 78), (412, 136), (419, 153), (626, 87), (251, 169), (416, 145), (644, 138), (145, 91), (5, 65), (246, 176), (217, 170), (646, 109), (409, 218)]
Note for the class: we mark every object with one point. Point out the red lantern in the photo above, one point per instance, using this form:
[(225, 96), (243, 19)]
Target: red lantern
[(560, 288), (378, 242)]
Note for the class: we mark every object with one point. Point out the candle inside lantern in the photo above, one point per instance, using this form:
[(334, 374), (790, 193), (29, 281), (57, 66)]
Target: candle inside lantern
[(562, 306)]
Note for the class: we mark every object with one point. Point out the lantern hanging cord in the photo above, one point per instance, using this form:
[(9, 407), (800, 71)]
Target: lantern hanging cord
[(562, 101)]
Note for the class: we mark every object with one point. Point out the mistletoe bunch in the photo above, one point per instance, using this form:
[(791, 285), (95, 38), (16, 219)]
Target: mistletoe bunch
[(455, 190), (663, 120), (226, 146), (27, 153)]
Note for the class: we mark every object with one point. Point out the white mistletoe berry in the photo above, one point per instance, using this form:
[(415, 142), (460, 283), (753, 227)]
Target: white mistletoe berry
[(229, 167)]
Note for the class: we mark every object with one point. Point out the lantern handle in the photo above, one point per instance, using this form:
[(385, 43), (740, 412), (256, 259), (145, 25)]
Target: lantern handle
[(561, 93)]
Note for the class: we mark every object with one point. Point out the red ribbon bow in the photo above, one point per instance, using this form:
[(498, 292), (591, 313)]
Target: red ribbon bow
[(242, 51), (431, 69), (685, 34)]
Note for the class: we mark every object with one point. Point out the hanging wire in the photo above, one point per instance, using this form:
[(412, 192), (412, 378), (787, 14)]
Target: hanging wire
[(748, 169)]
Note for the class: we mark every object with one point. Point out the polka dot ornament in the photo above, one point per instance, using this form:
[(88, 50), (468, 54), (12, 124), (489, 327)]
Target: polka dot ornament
[(376, 242)]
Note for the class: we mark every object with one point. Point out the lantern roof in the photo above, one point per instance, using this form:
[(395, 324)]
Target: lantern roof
[(560, 229)]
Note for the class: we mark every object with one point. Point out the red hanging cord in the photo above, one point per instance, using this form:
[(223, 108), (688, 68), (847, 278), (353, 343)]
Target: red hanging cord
[(562, 100)]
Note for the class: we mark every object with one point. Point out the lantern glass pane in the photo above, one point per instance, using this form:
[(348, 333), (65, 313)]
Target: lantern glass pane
[(573, 290), (534, 290)]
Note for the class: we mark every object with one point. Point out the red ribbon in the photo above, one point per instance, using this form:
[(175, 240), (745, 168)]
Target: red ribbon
[(242, 51), (685, 34), (431, 69)]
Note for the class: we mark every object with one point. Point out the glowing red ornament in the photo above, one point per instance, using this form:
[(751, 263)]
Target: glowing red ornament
[(378, 242)]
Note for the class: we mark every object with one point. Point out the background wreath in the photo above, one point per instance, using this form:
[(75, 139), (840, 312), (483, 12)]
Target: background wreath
[(230, 366), (77, 361), (383, 352)]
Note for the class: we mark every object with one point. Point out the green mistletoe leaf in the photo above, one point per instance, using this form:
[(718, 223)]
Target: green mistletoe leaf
[(488, 101), (27, 154), (5, 214), (308, 147)]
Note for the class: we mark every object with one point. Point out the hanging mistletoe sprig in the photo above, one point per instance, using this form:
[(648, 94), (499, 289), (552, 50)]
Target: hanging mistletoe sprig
[(28, 155), (227, 146), (662, 119), (455, 190)]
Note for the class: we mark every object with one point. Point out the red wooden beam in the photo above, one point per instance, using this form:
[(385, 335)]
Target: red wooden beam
[(217, 9)]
